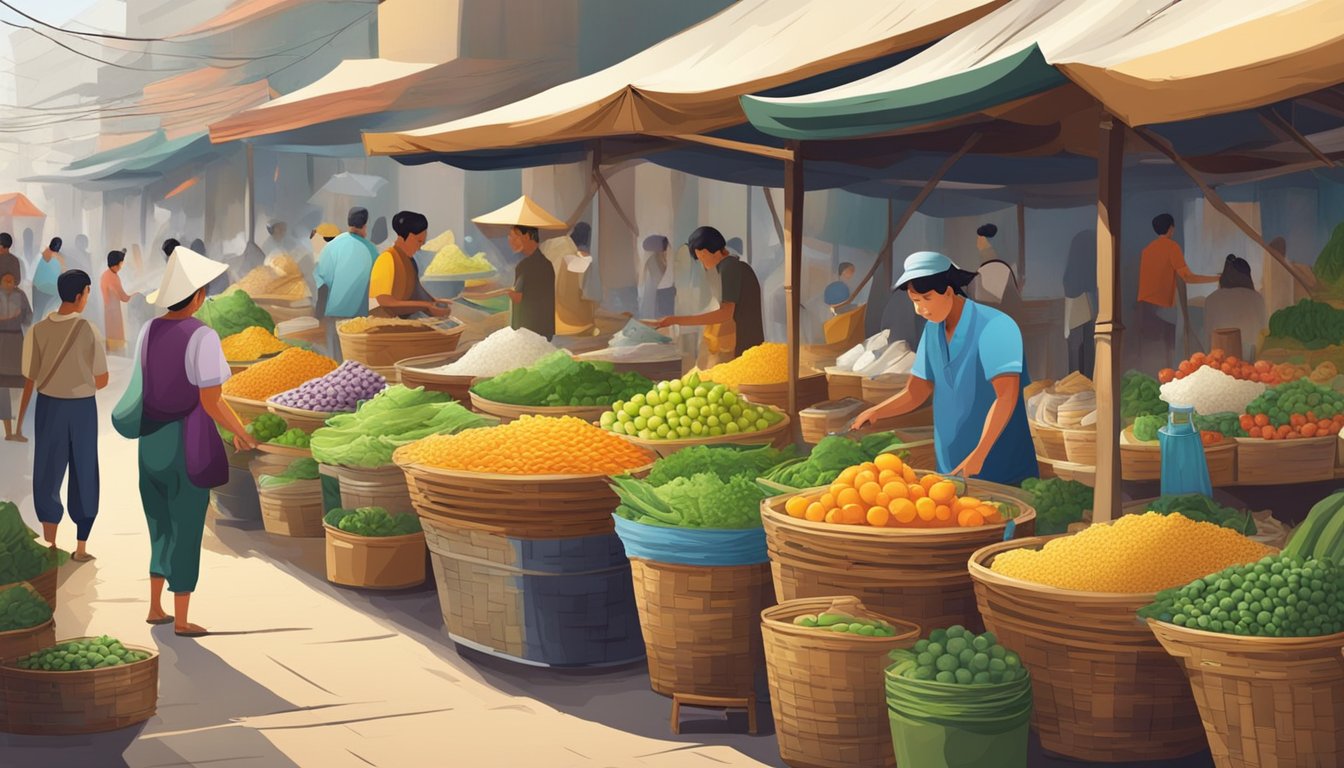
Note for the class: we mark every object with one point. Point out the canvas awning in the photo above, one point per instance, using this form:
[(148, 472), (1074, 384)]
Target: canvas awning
[(1146, 62), (691, 82), (16, 205), (371, 93)]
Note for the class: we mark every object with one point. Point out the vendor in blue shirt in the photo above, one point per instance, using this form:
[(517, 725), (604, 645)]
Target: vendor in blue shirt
[(836, 294), (342, 277), (970, 360)]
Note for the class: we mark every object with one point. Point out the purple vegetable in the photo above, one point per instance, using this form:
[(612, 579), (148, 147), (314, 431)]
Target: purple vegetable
[(339, 391)]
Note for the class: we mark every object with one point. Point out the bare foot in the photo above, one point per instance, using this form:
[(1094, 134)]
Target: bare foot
[(17, 439), (82, 557), (190, 630)]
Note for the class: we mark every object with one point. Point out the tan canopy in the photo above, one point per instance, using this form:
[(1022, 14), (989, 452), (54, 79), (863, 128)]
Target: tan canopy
[(691, 82)]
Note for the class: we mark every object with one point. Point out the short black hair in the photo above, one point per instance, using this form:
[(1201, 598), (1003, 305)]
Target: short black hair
[(407, 223), (72, 283), (987, 230), (707, 239), (844, 265), (582, 234), (169, 246), (357, 217), (1162, 223), (183, 304), (114, 258), (531, 232), (55, 245), (954, 278), (1236, 273), (656, 243), (6, 240)]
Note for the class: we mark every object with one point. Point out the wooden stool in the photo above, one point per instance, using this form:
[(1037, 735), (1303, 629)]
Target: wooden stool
[(713, 702)]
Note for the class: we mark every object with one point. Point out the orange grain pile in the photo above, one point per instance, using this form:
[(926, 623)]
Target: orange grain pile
[(532, 445), (283, 372)]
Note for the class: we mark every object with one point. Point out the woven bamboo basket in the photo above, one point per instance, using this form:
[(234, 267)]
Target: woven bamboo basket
[(299, 418), (1266, 702), (841, 384), (43, 584), (17, 643), (1143, 461), (555, 602), (418, 372), (811, 390), (294, 509), (507, 412), (701, 625), (778, 435), (1049, 441), (247, 410), (818, 356), (382, 350), (41, 703), (383, 487), (919, 574), (375, 562), (1067, 470), (1285, 462), (1104, 689), (653, 370), (829, 711), (285, 451), (880, 388), (1080, 446)]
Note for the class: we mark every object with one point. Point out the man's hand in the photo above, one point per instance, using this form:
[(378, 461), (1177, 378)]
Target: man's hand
[(244, 442), (971, 467), (865, 418), (667, 321)]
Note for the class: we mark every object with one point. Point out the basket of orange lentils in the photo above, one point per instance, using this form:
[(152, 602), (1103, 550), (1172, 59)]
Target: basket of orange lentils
[(897, 539)]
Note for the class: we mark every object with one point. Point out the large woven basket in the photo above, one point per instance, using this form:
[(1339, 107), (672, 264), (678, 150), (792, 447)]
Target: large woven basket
[(884, 387), (1143, 460), (419, 372), (43, 584), (701, 625), (294, 509), (917, 574), (382, 487), (507, 412), (1104, 689), (375, 562), (247, 410), (826, 687), (41, 703), (1049, 441), (17, 643), (299, 418), (811, 390), (778, 435), (382, 350), (1266, 702), (1285, 462)]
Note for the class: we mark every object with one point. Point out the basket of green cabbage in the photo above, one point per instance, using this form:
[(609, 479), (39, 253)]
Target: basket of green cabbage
[(398, 415)]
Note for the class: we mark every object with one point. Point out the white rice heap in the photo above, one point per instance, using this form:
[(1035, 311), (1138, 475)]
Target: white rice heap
[(1211, 391), (501, 351)]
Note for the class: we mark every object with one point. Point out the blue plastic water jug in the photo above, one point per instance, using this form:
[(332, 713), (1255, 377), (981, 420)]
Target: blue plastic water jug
[(1184, 468)]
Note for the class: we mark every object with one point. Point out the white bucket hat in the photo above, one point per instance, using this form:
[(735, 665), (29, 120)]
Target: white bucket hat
[(187, 273)]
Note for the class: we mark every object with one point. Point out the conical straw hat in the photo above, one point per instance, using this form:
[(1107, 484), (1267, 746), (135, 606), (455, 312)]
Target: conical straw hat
[(523, 212), (187, 272)]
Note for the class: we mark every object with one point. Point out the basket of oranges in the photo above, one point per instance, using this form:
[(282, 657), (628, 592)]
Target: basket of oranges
[(896, 539)]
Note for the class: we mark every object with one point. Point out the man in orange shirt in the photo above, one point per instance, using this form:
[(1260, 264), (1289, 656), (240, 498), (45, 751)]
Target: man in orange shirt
[(1159, 266)]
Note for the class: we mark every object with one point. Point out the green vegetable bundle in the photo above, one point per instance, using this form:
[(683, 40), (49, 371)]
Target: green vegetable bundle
[(267, 427), (1146, 427), (1313, 323), (1226, 424), (1140, 395), (234, 312), (1058, 502), (22, 608), (833, 455), (1203, 509), (398, 415), (703, 500), (560, 380), (841, 622), (957, 655), (300, 469), (1321, 535), (1278, 596), (21, 556), (372, 522), (1297, 397), (293, 437), (82, 654), (723, 461)]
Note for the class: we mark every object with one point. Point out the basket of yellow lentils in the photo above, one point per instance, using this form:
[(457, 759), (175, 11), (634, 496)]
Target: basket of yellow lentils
[(248, 347), (761, 375), (382, 342), (247, 392), (1104, 688)]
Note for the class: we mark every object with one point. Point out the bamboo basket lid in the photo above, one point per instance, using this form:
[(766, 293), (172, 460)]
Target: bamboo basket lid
[(771, 435), (511, 412)]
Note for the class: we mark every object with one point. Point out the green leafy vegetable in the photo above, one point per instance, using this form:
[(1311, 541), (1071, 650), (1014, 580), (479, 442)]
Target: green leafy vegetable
[(21, 608), (1059, 503), (1226, 424), (1314, 323), (79, 655), (300, 469), (1146, 427), (560, 380), (372, 522), (232, 313), (723, 461), (1203, 509), (398, 415), (1329, 267), (833, 455), (21, 556), (1140, 395), (703, 500)]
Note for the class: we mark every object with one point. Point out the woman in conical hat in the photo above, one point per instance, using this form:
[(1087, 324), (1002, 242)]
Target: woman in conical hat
[(173, 406)]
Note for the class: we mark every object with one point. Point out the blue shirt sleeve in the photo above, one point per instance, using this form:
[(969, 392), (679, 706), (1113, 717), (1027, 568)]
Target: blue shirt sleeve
[(1000, 346), (924, 367), (835, 293), (326, 265)]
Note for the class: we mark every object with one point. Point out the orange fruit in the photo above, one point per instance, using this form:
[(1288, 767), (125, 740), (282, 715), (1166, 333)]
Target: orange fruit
[(888, 462), (886, 476), (833, 516), (903, 511), (815, 512), (848, 475), (883, 500), (990, 513), (969, 518), (852, 514), (837, 488), (908, 474), (869, 466), (926, 508), (942, 513), (928, 481), (943, 492), (827, 501), (864, 477), (915, 491), (966, 502), (868, 492), (847, 497), (796, 506), (878, 516), (895, 489)]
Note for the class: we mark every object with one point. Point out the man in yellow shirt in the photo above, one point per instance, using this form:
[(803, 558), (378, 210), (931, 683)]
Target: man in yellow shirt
[(1161, 263), (394, 286)]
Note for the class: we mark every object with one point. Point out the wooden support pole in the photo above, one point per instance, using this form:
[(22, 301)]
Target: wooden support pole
[(1288, 131), (774, 214), (793, 269), (1108, 330), (1163, 146), (913, 208), (251, 198), (760, 150)]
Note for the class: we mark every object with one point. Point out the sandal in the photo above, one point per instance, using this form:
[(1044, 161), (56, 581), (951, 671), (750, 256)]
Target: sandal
[(84, 558), (159, 622)]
